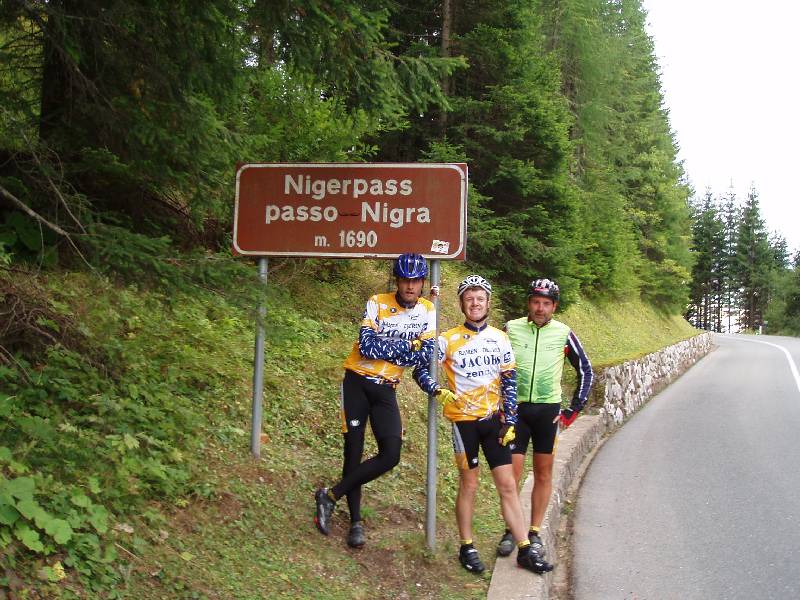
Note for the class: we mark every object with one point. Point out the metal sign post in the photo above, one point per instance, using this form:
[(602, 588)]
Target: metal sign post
[(258, 364), (433, 411)]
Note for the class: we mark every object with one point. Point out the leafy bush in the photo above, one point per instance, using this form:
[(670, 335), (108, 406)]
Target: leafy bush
[(92, 434)]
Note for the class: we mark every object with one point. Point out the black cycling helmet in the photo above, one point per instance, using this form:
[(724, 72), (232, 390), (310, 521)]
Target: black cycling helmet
[(410, 266), (474, 281), (545, 288)]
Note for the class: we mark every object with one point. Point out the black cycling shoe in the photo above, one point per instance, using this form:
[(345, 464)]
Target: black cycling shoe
[(506, 544), (325, 508), (527, 558), (536, 544), (470, 560), (356, 538)]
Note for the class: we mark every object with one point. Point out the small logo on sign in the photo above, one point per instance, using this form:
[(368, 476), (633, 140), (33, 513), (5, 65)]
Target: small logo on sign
[(355, 423), (440, 247), (475, 461)]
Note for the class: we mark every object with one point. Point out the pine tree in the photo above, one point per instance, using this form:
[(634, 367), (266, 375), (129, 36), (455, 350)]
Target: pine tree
[(589, 52), (730, 217), (705, 294), (144, 108), (645, 157), (792, 310), (510, 123), (778, 317), (754, 263), (633, 205)]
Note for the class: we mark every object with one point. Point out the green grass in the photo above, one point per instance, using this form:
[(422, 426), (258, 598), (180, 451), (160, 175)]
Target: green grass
[(144, 410), (614, 331)]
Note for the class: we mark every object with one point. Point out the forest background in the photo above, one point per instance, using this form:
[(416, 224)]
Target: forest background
[(120, 127)]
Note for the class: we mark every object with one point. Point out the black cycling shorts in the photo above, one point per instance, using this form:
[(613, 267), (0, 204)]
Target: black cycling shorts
[(535, 422), (468, 435), (362, 399)]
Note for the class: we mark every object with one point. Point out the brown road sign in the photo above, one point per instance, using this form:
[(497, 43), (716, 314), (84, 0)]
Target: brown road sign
[(351, 210)]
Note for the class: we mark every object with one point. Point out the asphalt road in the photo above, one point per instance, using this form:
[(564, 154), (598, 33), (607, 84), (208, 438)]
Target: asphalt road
[(698, 495)]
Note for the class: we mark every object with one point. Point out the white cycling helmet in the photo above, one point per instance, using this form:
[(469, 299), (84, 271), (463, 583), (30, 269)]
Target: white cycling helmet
[(545, 288), (474, 281)]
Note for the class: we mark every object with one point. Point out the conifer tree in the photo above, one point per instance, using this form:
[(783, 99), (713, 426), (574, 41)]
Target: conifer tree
[(791, 313), (146, 107), (708, 236), (778, 318), (633, 206), (730, 217), (589, 53), (754, 263), (510, 123), (645, 159)]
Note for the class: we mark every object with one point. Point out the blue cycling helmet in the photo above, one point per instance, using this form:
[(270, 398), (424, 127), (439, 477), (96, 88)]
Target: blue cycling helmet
[(411, 266)]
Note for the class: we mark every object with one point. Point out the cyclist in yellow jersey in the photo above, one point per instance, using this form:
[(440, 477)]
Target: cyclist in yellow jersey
[(541, 345), (397, 331), (480, 401)]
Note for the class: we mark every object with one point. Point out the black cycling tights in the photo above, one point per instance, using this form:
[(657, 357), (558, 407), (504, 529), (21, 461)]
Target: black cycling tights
[(356, 473)]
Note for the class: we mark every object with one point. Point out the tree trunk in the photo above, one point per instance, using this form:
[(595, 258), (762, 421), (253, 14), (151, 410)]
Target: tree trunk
[(54, 79), (447, 27)]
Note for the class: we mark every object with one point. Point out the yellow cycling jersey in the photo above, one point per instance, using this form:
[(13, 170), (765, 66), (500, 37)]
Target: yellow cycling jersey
[(474, 362), (382, 351)]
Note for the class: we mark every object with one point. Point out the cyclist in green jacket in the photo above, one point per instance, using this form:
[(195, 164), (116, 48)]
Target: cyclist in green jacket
[(540, 345)]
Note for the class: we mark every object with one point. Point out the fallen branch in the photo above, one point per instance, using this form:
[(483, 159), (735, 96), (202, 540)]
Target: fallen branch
[(53, 186), (32, 213)]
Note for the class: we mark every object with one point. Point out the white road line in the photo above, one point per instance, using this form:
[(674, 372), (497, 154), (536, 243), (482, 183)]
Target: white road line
[(792, 366)]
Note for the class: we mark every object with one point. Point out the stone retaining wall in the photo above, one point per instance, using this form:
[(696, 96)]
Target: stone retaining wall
[(624, 388)]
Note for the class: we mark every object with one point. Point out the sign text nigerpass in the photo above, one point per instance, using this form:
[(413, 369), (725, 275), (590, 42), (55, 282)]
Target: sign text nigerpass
[(351, 210)]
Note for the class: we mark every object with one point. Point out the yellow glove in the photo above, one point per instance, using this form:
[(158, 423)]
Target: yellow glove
[(445, 396), (507, 434), (416, 345)]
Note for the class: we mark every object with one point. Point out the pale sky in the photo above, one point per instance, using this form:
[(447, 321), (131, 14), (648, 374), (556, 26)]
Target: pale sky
[(731, 80)]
